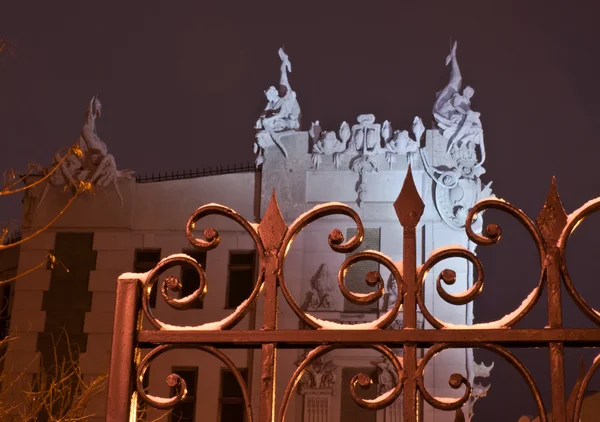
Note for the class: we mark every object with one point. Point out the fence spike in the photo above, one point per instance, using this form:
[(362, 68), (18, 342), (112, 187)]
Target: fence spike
[(552, 218), (409, 206), (272, 228)]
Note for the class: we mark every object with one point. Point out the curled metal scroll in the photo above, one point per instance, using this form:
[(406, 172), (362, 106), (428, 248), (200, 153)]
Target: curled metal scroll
[(175, 381), (457, 380), (493, 232), (575, 219), (212, 236), (582, 389), (173, 284), (491, 236), (336, 242), (449, 278), (211, 241), (362, 380)]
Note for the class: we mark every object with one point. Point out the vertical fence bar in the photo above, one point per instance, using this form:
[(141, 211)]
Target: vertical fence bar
[(122, 352), (269, 359), (409, 208), (271, 230), (551, 221)]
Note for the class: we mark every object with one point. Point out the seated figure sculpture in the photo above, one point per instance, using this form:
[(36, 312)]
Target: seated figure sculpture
[(281, 115)]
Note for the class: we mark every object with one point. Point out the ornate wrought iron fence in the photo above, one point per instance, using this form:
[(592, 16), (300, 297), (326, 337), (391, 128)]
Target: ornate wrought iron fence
[(273, 237)]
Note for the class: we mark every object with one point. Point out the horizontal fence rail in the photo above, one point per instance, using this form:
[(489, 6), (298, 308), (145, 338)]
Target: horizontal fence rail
[(550, 233)]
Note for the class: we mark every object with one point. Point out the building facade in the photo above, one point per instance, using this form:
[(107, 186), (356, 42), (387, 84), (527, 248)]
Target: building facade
[(139, 222)]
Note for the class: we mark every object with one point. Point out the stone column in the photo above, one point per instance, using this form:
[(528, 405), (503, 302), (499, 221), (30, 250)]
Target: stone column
[(316, 404), (386, 381), (316, 385)]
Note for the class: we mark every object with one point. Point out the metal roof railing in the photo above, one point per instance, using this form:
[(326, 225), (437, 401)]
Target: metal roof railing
[(190, 174)]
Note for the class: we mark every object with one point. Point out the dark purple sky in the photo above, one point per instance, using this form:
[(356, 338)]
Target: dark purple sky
[(181, 85)]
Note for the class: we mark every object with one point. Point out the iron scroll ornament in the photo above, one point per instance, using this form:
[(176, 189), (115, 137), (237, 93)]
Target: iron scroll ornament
[(178, 383), (336, 242), (491, 236), (359, 380), (456, 380), (574, 220), (172, 283)]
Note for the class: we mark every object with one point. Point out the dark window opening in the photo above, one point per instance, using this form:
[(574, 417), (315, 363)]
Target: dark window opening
[(185, 410), (146, 260), (242, 272), (190, 280), (231, 399)]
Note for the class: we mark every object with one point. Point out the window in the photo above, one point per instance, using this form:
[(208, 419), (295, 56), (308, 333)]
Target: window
[(190, 279), (185, 410), (355, 277), (145, 260), (241, 277), (349, 410), (231, 400), (5, 302)]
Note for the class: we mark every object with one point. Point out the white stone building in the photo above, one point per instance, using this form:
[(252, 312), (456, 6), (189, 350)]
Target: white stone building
[(363, 165)]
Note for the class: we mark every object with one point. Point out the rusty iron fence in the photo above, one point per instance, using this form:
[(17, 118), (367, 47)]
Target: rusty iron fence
[(550, 232)]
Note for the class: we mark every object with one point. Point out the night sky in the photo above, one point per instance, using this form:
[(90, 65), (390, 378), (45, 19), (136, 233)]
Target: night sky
[(182, 83)]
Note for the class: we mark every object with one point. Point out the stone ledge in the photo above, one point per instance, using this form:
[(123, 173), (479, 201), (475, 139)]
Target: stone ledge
[(24, 300), (22, 362), (104, 280), (36, 280), (28, 321), (98, 322), (103, 302), (122, 240)]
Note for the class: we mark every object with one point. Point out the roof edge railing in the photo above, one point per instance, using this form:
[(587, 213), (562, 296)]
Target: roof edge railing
[(191, 174)]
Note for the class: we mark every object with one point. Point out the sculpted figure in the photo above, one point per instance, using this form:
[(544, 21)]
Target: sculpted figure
[(95, 166), (281, 114), (322, 286), (399, 142), (458, 183), (452, 109), (327, 143), (366, 141)]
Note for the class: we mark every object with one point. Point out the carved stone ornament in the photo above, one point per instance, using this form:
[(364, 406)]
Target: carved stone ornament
[(480, 372), (386, 375), (280, 116), (327, 143), (95, 166), (391, 294), (360, 143), (459, 151), (320, 375), (320, 296)]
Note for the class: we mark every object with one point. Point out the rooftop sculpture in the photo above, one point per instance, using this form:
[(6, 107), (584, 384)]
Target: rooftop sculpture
[(95, 165), (281, 115), (458, 134)]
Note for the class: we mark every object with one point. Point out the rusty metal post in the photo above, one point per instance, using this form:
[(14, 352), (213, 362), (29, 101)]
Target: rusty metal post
[(409, 208), (120, 379), (551, 221), (271, 230)]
